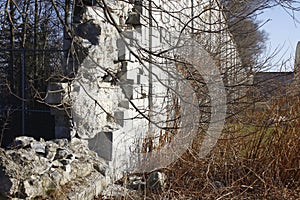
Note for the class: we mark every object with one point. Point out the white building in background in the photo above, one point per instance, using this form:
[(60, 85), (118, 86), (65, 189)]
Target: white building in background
[(120, 88)]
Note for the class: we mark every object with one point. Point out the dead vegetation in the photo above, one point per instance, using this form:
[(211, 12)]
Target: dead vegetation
[(257, 158)]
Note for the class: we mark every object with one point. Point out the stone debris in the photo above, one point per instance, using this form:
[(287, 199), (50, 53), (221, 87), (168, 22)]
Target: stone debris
[(134, 186), (136, 183), (156, 181), (114, 191), (57, 169)]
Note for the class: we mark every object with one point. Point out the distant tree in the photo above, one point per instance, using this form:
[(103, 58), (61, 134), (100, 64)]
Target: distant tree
[(31, 26), (242, 23)]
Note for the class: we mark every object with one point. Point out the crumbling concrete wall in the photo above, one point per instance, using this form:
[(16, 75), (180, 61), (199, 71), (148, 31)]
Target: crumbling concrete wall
[(119, 87), (110, 93)]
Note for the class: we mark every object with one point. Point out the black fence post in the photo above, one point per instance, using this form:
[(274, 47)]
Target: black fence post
[(23, 89)]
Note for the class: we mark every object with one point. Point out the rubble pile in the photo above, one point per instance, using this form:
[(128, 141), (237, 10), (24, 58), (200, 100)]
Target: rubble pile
[(57, 169)]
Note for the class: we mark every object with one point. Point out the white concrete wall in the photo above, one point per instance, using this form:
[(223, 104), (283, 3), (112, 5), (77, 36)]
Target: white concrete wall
[(100, 106)]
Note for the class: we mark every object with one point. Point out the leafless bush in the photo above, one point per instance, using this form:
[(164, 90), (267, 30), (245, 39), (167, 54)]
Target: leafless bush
[(253, 160)]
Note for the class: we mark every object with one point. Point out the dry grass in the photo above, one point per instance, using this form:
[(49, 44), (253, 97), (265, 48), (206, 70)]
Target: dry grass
[(257, 158)]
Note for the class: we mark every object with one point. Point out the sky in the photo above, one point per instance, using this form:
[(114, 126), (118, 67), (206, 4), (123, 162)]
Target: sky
[(283, 35)]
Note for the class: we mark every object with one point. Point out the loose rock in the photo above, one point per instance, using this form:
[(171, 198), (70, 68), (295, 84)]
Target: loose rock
[(156, 181), (39, 169)]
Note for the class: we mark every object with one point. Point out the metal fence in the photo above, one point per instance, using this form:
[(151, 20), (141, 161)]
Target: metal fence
[(24, 77)]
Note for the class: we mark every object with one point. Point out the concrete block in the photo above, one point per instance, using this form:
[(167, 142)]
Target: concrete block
[(119, 117), (124, 104), (121, 49), (138, 79), (102, 145), (128, 90), (140, 71)]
